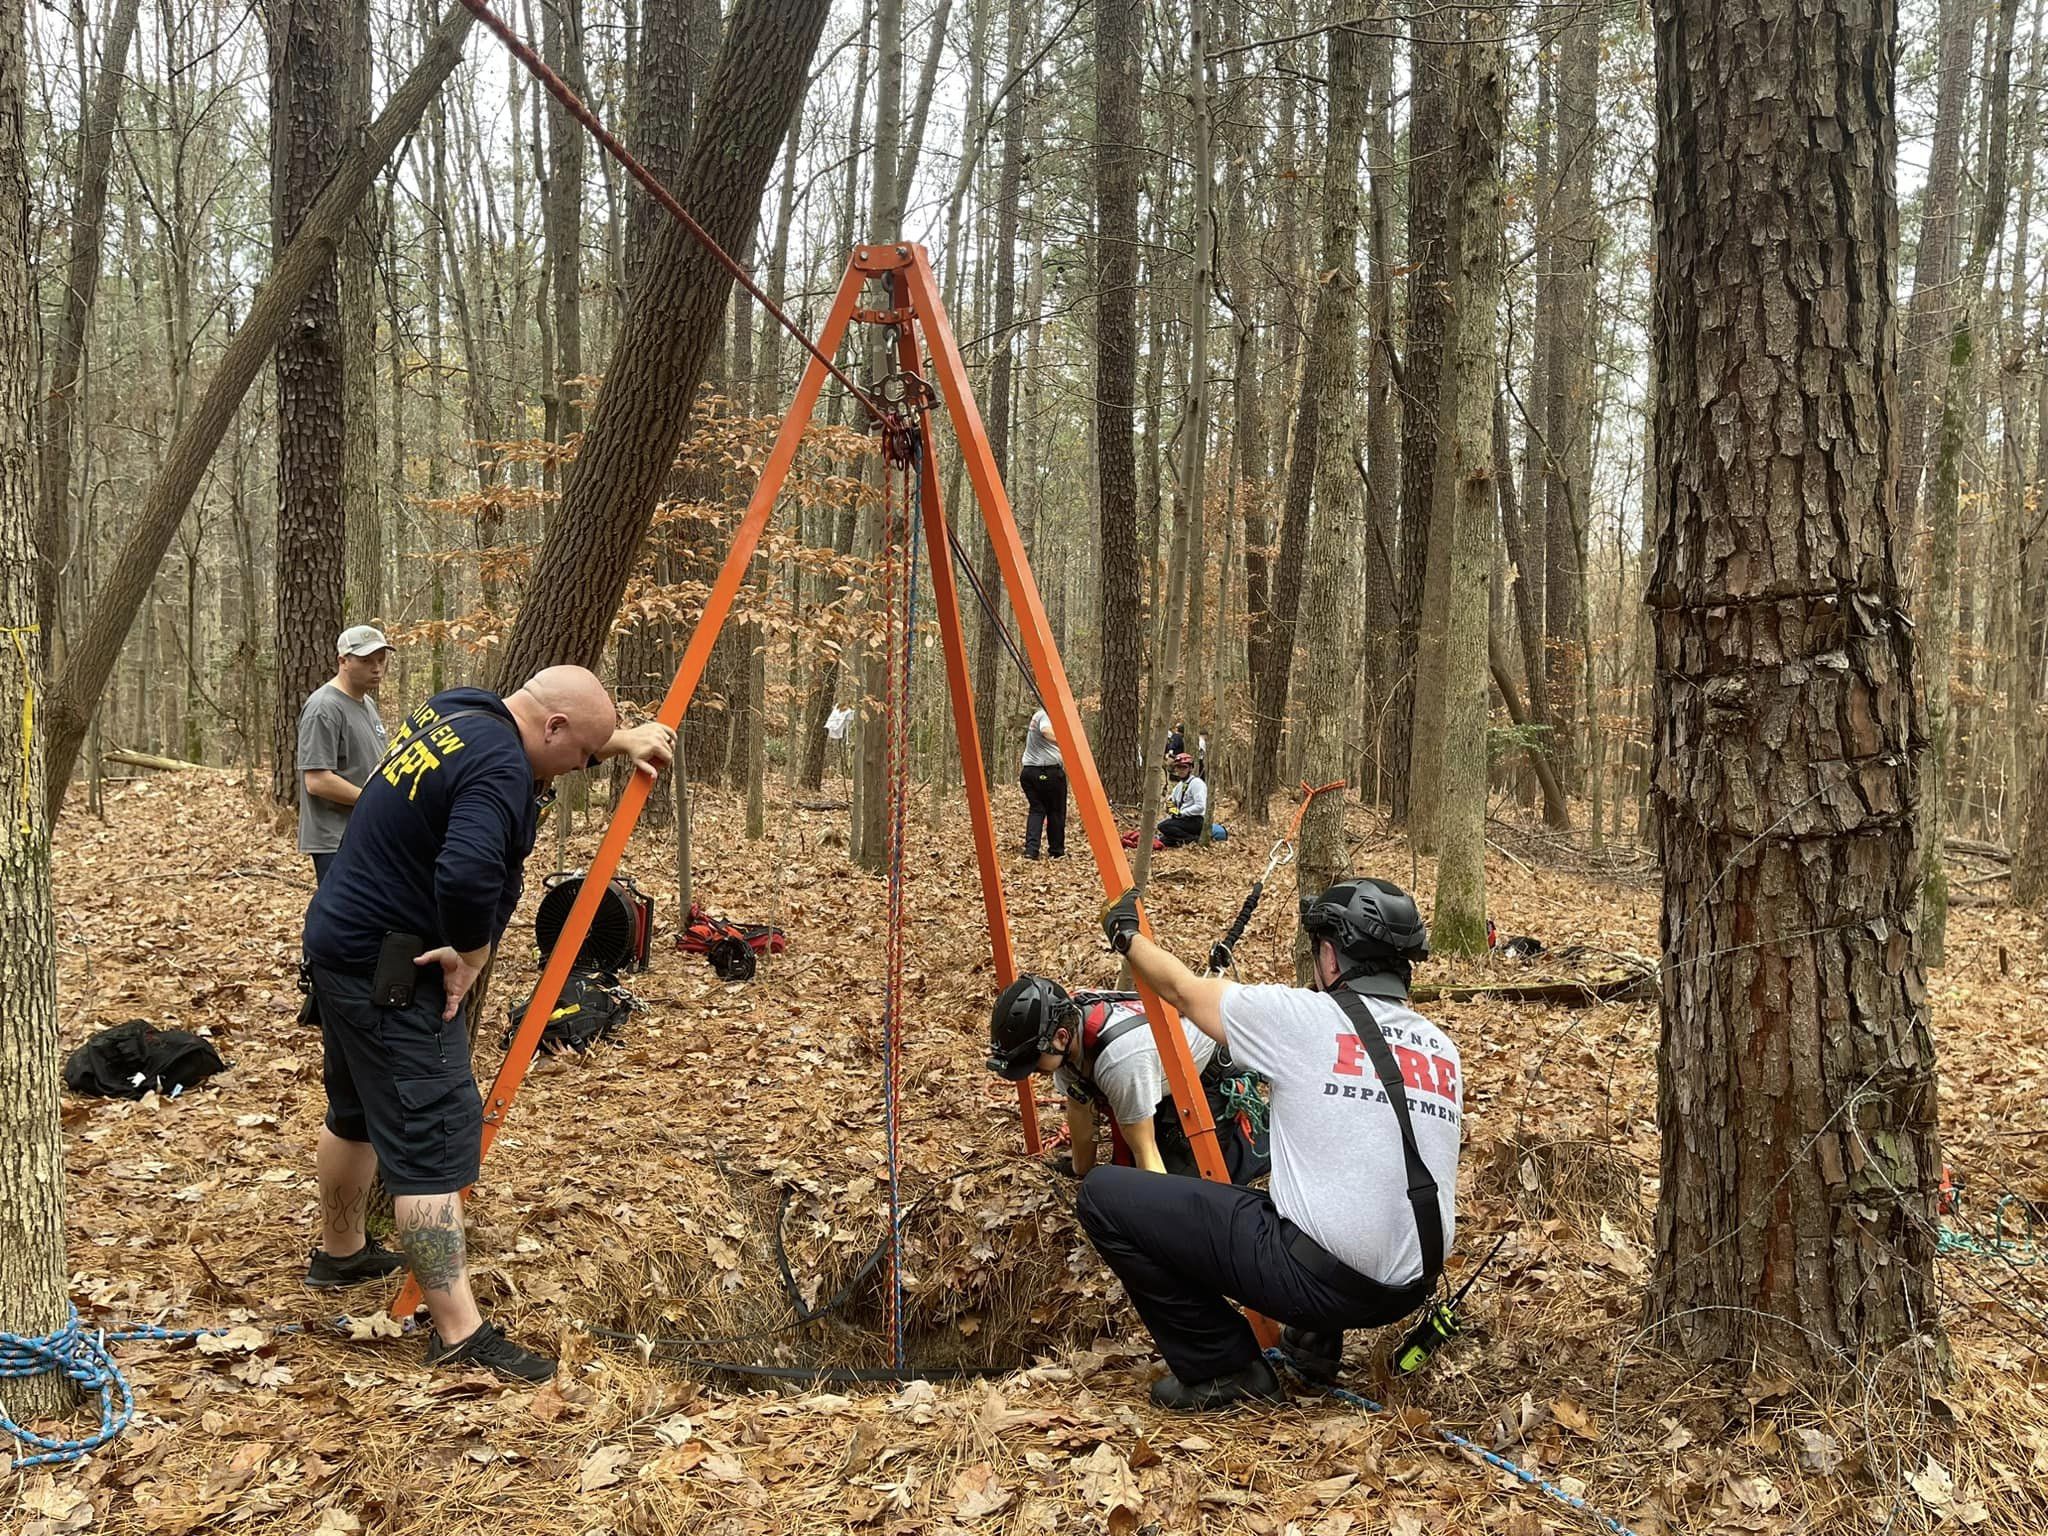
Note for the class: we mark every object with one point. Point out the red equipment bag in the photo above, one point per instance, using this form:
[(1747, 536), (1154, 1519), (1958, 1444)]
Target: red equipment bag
[(731, 947)]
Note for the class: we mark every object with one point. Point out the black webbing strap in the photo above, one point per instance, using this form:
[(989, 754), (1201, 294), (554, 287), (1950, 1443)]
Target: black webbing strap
[(1422, 1190)]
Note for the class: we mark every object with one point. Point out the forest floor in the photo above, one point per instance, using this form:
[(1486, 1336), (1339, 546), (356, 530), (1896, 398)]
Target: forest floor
[(643, 1188)]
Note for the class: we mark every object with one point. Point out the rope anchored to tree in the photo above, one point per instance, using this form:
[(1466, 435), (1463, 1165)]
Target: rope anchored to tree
[(83, 1355)]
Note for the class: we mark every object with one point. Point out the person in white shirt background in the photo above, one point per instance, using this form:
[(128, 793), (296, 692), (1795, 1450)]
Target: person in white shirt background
[(1187, 797), (1043, 777)]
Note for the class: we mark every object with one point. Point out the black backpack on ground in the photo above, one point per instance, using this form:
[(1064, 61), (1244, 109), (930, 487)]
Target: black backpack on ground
[(128, 1060), (592, 1007)]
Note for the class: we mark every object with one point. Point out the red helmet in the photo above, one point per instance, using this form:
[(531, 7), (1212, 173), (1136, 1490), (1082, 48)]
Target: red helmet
[(1180, 765)]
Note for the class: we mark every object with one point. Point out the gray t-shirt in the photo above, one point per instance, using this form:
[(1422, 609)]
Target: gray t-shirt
[(1040, 750), (345, 736), (1129, 1071), (1338, 1172)]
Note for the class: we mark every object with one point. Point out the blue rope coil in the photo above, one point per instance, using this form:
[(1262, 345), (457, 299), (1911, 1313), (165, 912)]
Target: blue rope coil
[(83, 1355), (1492, 1458)]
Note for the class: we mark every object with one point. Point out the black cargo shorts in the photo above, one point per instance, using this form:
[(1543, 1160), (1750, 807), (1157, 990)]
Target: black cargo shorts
[(400, 1079)]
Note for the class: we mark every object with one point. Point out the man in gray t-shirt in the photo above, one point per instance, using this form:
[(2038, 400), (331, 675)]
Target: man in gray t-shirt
[(1367, 1111), (341, 739)]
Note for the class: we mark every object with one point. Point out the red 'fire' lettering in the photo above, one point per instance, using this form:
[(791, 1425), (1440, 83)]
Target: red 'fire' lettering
[(1414, 1067)]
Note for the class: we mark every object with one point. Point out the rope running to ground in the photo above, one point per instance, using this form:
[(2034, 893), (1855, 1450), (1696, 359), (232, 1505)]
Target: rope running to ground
[(1493, 1459), (901, 577), (994, 616)]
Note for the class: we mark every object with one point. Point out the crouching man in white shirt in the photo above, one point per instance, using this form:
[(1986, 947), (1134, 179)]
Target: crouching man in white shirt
[(1367, 1105)]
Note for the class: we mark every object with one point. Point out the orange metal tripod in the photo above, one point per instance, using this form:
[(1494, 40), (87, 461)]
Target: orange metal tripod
[(919, 320)]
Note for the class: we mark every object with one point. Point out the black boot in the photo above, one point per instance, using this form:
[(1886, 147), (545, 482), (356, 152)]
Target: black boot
[(1254, 1383), (1318, 1356)]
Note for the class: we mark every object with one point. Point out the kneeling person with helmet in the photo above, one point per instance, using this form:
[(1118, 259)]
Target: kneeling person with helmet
[(1367, 1102), (1099, 1050)]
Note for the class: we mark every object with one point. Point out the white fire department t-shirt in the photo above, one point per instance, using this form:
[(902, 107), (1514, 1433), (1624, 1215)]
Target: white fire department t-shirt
[(1338, 1173), (1128, 1070)]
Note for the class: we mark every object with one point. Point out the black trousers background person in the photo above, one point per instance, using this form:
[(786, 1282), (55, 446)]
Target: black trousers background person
[(1045, 791)]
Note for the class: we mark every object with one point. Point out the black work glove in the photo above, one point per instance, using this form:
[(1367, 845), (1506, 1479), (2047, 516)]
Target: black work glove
[(1120, 921), (1063, 1165)]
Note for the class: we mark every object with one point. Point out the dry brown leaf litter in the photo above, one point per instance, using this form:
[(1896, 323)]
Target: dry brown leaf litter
[(640, 1187)]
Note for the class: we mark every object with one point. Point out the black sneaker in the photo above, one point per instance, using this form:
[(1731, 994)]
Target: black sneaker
[(324, 1272), (1255, 1383), (490, 1349), (1318, 1356)]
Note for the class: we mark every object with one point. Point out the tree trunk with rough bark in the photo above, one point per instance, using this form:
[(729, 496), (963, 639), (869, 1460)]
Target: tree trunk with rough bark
[(33, 1277), (1002, 374), (1382, 531), (1796, 1073), (1458, 925), (1329, 603), (1934, 265), (1944, 507), (1526, 623), (1118, 77), (591, 542), (1433, 90), (361, 480), (1568, 374), (2030, 857), (1182, 690), (309, 51), (1276, 654)]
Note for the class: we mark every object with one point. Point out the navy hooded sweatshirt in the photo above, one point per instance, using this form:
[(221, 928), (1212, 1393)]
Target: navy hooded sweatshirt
[(437, 844)]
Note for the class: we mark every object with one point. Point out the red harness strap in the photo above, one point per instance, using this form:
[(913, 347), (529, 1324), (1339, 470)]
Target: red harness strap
[(1093, 1018)]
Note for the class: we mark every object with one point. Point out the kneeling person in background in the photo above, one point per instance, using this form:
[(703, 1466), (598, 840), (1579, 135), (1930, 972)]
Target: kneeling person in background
[(1367, 1106), (1187, 797), (1099, 1050)]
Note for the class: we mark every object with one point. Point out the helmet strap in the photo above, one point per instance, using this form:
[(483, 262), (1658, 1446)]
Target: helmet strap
[(1367, 982)]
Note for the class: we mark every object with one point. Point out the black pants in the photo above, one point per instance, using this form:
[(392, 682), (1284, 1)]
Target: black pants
[(1177, 830), (1046, 791), (322, 862), (1186, 1248)]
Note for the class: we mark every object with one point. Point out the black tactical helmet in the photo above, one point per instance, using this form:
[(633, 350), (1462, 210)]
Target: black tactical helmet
[(1030, 1011), (1368, 920)]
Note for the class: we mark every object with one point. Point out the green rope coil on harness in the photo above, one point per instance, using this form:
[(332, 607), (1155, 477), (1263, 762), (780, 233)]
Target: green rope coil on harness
[(1242, 1099)]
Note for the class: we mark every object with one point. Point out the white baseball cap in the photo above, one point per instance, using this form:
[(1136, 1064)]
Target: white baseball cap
[(362, 640)]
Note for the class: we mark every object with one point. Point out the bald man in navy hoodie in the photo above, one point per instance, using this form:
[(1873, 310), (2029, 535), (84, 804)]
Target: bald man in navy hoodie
[(433, 865)]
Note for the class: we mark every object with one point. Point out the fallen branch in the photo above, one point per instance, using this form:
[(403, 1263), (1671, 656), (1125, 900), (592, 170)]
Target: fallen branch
[(1963, 847), (132, 759), (1622, 987)]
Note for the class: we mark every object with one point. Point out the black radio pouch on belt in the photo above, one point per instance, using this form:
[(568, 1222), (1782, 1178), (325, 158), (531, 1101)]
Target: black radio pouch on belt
[(1422, 1190)]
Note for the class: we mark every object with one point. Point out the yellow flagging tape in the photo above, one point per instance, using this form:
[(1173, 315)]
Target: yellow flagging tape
[(19, 635)]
